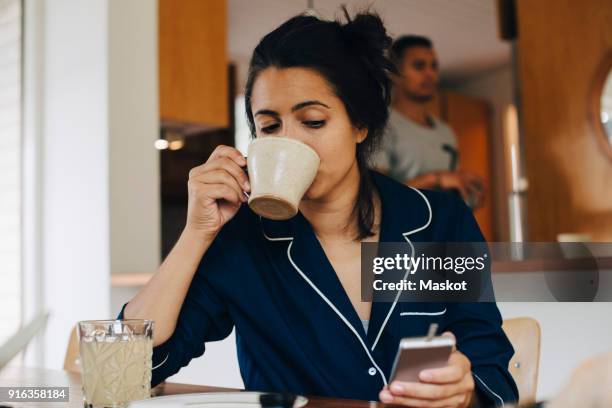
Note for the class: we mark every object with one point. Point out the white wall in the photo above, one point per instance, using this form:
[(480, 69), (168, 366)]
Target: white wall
[(76, 269), (91, 104)]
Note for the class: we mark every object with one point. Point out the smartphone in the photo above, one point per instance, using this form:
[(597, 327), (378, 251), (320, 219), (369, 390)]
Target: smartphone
[(416, 354)]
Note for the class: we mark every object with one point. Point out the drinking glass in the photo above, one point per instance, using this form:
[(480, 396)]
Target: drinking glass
[(116, 361)]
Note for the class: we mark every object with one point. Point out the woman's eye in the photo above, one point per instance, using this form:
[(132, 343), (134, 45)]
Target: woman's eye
[(270, 129), (315, 124)]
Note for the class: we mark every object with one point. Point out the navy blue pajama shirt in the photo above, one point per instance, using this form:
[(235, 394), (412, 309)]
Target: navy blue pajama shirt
[(296, 329)]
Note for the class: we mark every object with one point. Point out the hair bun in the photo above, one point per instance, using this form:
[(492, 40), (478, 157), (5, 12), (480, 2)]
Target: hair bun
[(367, 38), (367, 31)]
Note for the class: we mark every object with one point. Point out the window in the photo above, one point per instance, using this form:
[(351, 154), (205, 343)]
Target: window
[(10, 166)]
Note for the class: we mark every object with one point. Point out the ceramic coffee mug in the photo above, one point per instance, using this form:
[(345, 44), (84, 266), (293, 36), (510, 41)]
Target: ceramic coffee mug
[(280, 172)]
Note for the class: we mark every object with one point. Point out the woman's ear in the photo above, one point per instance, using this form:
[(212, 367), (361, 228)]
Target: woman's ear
[(361, 134)]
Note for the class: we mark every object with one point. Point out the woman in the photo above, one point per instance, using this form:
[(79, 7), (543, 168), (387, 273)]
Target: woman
[(292, 288)]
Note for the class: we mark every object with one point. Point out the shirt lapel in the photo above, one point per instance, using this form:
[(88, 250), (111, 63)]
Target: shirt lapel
[(309, 257), (405, 211)]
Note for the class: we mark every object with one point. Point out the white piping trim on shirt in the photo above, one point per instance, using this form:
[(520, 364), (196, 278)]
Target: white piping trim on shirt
[(487, 387), (441, 312), (405, 235), (333, 307), (275, 239), (165, 359), (329, 302)]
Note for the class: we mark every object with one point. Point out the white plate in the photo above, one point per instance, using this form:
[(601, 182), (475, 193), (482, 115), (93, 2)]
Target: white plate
[(209, 400)]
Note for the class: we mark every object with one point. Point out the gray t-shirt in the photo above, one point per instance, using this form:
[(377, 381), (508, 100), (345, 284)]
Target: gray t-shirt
[(409, 149)]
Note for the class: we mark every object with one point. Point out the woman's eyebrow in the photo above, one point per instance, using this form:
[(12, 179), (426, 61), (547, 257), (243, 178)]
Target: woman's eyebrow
[(304, 104), (266, 112), (297, 107)]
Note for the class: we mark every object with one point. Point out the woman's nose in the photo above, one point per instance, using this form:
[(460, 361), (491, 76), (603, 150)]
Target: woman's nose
[(288, 131)]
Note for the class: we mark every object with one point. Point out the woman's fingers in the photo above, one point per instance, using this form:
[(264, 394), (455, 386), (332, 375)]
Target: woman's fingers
[(458, 367), (224, 163), (221, 151), (415, 394), (235, 170), (458, 400), (216, 190), (220, 192), (425, 391), (222, 176), (451, 385), (444, 375), (452, 336), (230, 152)]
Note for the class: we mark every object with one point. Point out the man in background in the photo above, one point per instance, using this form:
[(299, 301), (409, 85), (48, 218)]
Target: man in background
[(419, 149)]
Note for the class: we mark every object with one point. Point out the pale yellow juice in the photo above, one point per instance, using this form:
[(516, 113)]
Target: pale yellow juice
[(116, 371)]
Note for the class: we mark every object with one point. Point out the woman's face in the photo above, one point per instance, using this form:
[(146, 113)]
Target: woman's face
[(298, 103)]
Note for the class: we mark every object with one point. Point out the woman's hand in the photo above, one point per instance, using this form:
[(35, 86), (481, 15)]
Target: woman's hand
[(216, 191), (450, 386)]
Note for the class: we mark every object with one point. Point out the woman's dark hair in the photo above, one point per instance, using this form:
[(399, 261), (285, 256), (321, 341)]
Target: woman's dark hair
[(351, 57)]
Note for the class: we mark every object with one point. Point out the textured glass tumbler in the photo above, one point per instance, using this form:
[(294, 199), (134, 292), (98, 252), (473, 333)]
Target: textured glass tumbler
[(116, 361)]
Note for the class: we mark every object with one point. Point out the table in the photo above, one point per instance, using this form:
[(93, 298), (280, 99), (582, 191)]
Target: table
[(22, 376)]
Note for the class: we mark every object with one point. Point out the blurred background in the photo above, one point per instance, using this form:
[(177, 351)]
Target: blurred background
[(105, 105)]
